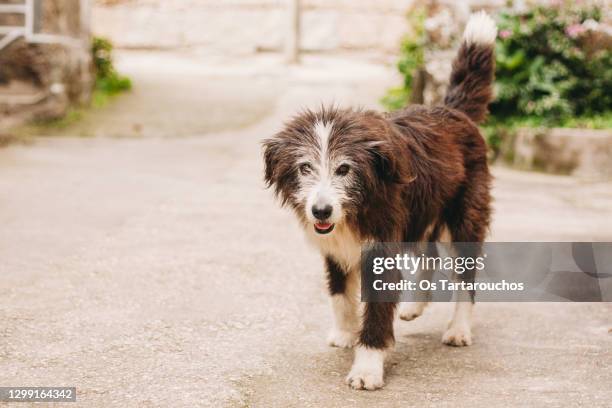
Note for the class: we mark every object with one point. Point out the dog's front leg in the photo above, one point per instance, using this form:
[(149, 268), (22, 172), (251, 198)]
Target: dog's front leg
[(344, 291), (375, 339)]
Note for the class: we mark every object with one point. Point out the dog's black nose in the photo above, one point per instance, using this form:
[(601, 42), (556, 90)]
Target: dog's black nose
[(321, 213)]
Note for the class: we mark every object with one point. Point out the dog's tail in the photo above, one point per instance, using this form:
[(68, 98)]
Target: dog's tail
[(471, 81)]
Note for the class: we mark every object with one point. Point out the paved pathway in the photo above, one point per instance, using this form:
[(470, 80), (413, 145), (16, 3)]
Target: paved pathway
[(156, 271)]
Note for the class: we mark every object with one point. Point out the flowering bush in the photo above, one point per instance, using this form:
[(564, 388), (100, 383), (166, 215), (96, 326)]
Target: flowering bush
[(553, 63)]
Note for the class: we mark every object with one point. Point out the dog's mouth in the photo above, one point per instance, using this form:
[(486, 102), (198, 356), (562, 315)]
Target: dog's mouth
[(323, 227)]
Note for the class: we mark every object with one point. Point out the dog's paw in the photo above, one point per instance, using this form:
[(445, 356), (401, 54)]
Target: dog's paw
[(362, 378), (341, 338), (367, 370), (411, 310), (458, 336)]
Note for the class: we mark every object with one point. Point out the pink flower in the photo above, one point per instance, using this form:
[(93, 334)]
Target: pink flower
[(503, 34), (574, 30)]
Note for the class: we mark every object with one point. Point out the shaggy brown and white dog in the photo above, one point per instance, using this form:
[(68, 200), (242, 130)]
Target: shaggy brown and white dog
[(416, 175)]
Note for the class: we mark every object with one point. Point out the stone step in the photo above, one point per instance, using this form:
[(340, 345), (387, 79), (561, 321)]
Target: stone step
[(17, 93)]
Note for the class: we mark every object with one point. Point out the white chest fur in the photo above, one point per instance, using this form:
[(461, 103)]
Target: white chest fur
[(341, 244)]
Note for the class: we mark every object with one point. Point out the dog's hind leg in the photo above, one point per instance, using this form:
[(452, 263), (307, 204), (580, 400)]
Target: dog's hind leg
[(344, 291), (467, 219), (467, 243), (459, 332), (413, 309)]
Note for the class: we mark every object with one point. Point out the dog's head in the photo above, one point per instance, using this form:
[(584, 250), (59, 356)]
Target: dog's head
[(333, 166)]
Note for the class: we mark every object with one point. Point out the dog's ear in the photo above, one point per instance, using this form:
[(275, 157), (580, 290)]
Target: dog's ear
[(386, 164), (271, 149), (383, 160)]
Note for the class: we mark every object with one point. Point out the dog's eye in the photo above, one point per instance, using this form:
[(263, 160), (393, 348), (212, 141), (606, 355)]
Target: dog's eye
[(305, 169), (343, 170)]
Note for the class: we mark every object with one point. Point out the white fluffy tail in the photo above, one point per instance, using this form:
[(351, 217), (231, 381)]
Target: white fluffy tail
[(480, 29)]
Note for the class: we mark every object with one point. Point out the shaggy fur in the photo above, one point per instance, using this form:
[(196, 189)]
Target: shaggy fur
[(356, 176)]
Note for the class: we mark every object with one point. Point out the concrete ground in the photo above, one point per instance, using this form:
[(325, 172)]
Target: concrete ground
[(157, 271)]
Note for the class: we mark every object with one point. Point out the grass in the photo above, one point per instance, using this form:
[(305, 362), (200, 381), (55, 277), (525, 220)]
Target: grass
[(99, 99)]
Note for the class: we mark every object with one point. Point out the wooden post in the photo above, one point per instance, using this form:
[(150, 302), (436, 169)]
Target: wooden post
[(292, 46), (85, 18)]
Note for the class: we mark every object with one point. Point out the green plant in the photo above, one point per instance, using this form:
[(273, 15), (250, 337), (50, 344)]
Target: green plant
[(108, 80), (411, 59), (549, 66)]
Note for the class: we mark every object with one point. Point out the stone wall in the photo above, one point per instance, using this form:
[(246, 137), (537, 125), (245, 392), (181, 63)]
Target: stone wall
[(581, 152), (247, 26), (40, 80)]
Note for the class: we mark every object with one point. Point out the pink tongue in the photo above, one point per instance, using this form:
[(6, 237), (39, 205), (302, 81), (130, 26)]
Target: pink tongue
[(322, 226)]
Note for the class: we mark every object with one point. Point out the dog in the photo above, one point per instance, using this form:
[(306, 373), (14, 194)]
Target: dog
[(416, 175)]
